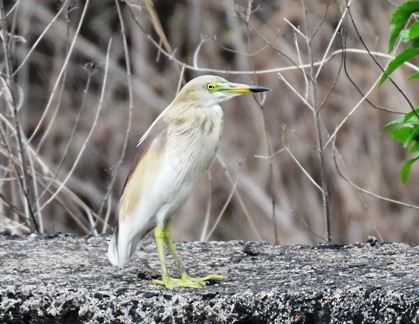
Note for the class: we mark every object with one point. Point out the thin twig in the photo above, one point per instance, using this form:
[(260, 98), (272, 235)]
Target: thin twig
[(239, 197), (40, 37), (90, 72), (130, 108), (223, 209), (81, 151), (349, 114), (25, 182), (397, 202), (60, 74), (272, 187), (60, 89), (304, 100), (155, 22), (293, 67), (364, 204), (337, 28), (412, 107), (318, 126), (299, 164)]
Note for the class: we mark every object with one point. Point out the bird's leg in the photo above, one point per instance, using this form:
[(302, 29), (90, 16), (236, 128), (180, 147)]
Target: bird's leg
[(168, 239), (185, 281), (159, 237)]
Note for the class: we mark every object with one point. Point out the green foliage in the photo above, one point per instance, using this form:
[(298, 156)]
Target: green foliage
[(404, 130), (410, 34), (400, 59), (399, 20)]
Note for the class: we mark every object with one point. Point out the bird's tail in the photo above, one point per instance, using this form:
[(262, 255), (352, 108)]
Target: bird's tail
[(118, 252), (122, 247)]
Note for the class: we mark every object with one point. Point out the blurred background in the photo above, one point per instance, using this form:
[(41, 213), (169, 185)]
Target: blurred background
[(69, 102)]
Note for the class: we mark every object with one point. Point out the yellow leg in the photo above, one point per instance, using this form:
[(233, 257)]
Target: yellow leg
[(164, 234), (159, 237)]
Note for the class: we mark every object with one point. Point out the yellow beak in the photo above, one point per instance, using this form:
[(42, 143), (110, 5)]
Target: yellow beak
[(238, 88)]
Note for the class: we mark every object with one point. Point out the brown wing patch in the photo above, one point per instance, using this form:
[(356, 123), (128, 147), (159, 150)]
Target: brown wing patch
[(143, 168), (158, 132)]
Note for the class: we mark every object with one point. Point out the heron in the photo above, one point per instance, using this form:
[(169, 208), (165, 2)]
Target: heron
[(172, 156)]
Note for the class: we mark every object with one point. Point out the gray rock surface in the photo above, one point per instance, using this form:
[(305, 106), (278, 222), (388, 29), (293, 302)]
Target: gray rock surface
[(67, 279)]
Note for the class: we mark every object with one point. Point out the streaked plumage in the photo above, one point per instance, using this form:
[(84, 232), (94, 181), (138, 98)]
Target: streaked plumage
[(172, 157)]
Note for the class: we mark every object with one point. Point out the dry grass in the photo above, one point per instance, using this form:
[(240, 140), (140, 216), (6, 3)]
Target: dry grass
[(81, 113)]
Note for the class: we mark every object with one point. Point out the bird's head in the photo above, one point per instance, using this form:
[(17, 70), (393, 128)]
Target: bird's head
[(210, 90)]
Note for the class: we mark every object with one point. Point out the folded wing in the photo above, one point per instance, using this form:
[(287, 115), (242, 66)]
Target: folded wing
[(142, 195)]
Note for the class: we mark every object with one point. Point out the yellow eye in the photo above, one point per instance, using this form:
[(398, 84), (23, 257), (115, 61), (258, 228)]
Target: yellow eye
[(210, 86)]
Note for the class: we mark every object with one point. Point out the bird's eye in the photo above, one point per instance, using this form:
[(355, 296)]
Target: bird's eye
[(210, 86)]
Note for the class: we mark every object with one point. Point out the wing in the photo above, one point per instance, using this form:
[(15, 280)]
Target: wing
[(139, 201), (153, 142)]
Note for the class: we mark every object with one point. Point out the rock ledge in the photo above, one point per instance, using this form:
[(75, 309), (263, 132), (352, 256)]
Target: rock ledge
[(67, 279)]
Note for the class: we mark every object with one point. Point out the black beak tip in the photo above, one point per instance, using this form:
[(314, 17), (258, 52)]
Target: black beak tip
[(259, 89)]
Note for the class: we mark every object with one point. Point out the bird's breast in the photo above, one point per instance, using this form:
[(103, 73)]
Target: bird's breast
[(192, 145)]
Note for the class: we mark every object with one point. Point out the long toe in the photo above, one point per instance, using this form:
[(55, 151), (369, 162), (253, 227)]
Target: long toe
[(187, 282), (211, 278), (170, 283)]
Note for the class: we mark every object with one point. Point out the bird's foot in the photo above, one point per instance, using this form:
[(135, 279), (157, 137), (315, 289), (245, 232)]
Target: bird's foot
[(187, 282)]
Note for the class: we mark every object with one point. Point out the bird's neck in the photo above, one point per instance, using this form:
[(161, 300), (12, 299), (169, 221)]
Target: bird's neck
[(194, 116)]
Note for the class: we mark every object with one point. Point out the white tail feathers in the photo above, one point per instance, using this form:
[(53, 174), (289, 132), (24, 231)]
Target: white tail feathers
[(118, 255), (122, 246)]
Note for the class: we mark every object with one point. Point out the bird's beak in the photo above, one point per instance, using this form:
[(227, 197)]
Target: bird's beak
[(238, 88)]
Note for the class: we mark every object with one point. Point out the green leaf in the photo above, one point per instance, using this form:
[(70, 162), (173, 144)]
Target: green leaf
[(412, 117), (405, 35), (414, 148), (401, 134), (393, 123), (404, 56), (414, 76), (411, 33), (405, 169), (415, 43), (399, 20), (414, 136)]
